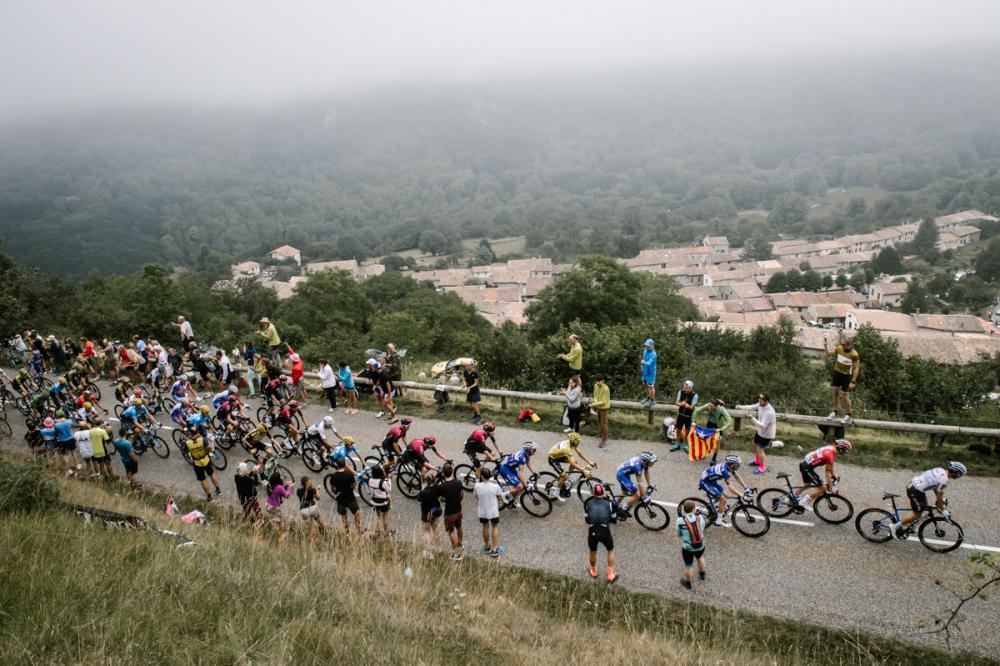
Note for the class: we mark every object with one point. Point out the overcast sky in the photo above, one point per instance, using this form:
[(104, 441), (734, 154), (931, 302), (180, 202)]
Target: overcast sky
[(86, 54)]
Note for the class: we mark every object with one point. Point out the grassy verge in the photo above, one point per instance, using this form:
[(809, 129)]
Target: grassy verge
[(73, 593), (873, 448)]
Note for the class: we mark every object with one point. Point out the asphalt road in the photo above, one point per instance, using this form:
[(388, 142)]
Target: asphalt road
[(802, 569)]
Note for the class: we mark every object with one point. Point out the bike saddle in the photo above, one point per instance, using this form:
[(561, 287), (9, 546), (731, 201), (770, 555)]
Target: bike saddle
[(782, 475), (889, 496)]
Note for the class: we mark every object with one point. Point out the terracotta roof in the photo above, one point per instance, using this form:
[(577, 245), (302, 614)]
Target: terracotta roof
[(716, 240), (891, 288), (963, 230), (954, 350), (798, 300), (285, 251), (829, 310), (964, 216), (349, 265), (746, 290), (760, 304), (697, 294), (246, 267), (885, 321), (953, 323)]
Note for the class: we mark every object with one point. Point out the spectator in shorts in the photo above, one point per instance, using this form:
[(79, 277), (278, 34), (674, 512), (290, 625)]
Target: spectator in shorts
[(246, 491), (488, 493), (198, 450), (599, 516), (686, 401), (309, 507), (85, 449), (846, 366), (277, 493), (100, 441), (471, 382), (381, 494), (343, 482), (691, 530), (451, 491), (602, 403), (66, 445), (430, 513), (763, 417), (346, 379), (130, 461), (297, 371)]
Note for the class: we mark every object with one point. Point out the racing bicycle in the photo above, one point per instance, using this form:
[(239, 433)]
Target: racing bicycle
[(582, 482), (748, 519), (933, 529), (830, 507), (148, 439)]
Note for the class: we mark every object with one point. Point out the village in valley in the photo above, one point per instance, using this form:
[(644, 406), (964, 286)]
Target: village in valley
[(725, 286)]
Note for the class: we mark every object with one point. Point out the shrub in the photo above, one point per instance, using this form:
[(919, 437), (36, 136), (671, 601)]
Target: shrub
[(26, 486)]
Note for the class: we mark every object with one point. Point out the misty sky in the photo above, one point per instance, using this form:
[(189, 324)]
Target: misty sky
[(81, 55)]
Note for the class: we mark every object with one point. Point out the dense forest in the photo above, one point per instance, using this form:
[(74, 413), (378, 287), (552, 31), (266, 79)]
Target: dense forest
[(597, 165)]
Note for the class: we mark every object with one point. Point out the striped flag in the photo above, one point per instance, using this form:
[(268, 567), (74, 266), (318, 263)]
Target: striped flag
[(701, 442)]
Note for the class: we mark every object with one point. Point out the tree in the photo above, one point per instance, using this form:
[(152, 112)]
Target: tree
[(394, 262), (858, 280), (915, 299), (987, 262), (887, 262), (926, 238), (349, 247), (827, 282), (758, 246), (433, 242), (812, 281), (790, 210), (598, 290), (805, 266), (794, 279), (777, 283), (484, 254), (841, 280)]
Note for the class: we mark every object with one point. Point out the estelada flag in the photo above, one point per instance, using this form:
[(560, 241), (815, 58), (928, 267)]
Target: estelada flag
[(701, 442)]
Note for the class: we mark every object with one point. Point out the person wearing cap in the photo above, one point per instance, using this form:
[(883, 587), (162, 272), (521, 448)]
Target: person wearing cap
[(470, 378), (297, 370), (687, 401), (764, 418), (717, 418), (599, 516), (270, 335), (648, 366), (574, 357), (187, 334)]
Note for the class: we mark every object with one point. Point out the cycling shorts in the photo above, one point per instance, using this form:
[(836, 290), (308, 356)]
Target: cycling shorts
[(809, 475), (390, 452), (510, 474), (557, 463), (472, 447), (918, 499), (409, 455), (713, 488), (625, 481)]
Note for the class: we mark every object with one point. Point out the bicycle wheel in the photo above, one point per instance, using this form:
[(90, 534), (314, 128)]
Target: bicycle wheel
[(178, 436), (750, 521), (466, 476), (285, 473), (160, 448), (546, 483), (833, 509), (94, 389), (219, 460), (875, 525), (262, 415), (651, 516), (118, 411), (585, 487), (5, 428), (372, 461), (23, 406), (408, 482), (536, 503), (312, 458), (940, 534), (775, 502), (328, 486), (702, 508), (226, 440)]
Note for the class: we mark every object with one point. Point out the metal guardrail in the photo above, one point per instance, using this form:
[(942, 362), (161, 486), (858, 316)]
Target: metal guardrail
[(932, 430)]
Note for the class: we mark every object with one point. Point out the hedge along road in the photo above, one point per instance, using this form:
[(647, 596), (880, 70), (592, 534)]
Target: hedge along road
[(802, 569)]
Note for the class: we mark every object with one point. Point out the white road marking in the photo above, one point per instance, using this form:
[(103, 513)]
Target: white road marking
[(801, 523), (970, 546)]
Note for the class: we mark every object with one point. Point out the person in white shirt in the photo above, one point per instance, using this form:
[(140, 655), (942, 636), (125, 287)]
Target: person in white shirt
[(766, 422), (328, 380), (933, 479), (488, 494), (187, 334)]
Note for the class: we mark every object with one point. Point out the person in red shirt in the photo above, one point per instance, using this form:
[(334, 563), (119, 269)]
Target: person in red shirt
[(390, 443), (298, 370), (476, 445), (824, 456), (286, 418)]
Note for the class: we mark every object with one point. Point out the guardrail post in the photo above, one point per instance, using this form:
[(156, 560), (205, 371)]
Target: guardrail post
[(649, 416), (737, 423), (503, 403)]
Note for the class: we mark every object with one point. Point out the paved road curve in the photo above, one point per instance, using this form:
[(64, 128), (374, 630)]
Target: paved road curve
[(802, 569)]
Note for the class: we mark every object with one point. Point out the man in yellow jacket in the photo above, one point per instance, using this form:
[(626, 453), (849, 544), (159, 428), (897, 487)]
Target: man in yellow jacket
[(602, 403), (574, 357), (270, 334)]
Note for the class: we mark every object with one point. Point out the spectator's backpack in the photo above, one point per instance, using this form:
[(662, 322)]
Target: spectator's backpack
[(694, 530)]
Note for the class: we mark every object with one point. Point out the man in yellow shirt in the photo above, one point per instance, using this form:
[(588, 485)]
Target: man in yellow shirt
[(100, 441), (602, 403), (199, 451), (563, 454), (846, 366), (574, 357), (270, 335)]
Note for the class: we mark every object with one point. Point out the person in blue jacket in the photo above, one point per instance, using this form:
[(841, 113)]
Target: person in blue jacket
[(649, 373)]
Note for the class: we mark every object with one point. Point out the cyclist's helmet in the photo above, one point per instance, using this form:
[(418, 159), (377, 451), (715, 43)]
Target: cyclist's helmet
[(328, 421), (348, 440), (430, 440), (182, 379), (283, 378), (233, 389), (957, 468), (598, 490), (62, 379), (733, 461), (137, 393), (489, 426), (204, 409), (48, 422), (293, 403), (843, 446), (405, 421), (87, 405), (530, 447), (648, 457), (137, 402), (575, 439)]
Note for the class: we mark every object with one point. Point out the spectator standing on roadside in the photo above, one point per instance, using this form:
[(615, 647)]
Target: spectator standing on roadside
[(763, 417), (57, 353), (309, 507), (471, 380), (347, 385), (846, 366), (175, 361), (649, 373), (328, 380), (394, 364), (574, 357), (344, 481), (247, 482), (686, 402), (599, 516), (488, 494), (602, 403), (717, 418), (451, 491), (430, 513), (273, 340), (297, 371), (253, 377), (574, 404), (187, 334), (130, 461), (691, 530)]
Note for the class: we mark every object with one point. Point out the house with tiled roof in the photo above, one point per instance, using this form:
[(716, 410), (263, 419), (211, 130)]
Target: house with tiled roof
[(286, 253), (949, 222), (246, 269), (889, 294), (828, 313), (880, 320), (960, 325)]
